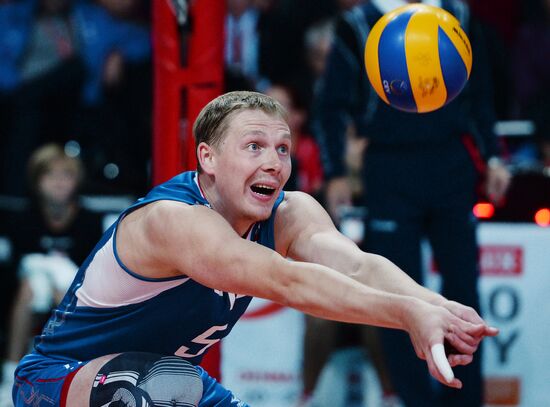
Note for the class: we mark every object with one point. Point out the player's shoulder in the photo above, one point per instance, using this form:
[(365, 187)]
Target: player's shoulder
[(166, 211), (296, 200), (299, 206), (299, 216)]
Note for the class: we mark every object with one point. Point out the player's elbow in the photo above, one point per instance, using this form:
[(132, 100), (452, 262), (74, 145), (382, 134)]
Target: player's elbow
[(371, 267), (284, 283), (296, 287)]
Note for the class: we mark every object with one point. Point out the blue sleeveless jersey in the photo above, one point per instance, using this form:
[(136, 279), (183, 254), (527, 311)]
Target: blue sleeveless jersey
[(183, 317)]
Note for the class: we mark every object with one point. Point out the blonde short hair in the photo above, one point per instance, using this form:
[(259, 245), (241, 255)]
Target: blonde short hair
[(213, 120)]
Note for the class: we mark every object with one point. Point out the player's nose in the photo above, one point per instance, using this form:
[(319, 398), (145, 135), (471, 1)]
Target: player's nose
[(273, 162)]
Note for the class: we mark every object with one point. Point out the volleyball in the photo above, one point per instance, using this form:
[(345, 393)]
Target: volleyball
[(418, 58)]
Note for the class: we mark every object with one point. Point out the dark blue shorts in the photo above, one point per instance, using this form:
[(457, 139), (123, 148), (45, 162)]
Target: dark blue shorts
[(42, 381)]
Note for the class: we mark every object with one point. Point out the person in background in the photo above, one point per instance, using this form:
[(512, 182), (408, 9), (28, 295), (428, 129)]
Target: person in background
[(49, 240), (75, 67), (531, 56), (307, 172), (419, 180), (241, 43), (114, 121), (318, 42), (283, 57), (41, 74)]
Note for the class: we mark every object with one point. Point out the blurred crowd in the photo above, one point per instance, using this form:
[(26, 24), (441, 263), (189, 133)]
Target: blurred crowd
[(76, 72), (76, 104)]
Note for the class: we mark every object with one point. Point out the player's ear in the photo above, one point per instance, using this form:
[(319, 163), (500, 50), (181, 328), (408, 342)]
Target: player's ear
[(206, 157)]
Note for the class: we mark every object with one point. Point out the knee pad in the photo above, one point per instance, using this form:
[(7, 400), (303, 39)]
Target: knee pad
[(135, 379)]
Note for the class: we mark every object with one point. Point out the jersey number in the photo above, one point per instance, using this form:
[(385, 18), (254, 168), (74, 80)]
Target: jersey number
[(203, 339)]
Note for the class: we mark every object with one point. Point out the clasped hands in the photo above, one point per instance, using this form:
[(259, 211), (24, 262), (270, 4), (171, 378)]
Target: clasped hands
[(446, 335)]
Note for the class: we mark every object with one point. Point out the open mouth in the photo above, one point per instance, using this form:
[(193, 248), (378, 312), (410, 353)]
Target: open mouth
[(262, 189)]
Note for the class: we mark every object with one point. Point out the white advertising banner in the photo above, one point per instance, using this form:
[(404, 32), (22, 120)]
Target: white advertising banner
[(261, 358), (514, 288)]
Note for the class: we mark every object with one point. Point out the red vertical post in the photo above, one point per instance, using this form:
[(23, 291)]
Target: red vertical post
[(204, 73), (205, 69), (167, 148), (200, 81)]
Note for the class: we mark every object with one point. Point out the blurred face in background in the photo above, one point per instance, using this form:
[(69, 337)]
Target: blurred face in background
[(296, 117), (318, 54), (58, 184)]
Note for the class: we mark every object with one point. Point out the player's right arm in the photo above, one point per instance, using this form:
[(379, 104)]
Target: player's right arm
[(168, 238)]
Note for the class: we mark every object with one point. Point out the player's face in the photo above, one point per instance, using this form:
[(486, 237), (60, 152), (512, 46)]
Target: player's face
[(252, 163)]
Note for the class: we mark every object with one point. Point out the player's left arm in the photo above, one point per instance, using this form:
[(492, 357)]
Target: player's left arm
[(305, 232)]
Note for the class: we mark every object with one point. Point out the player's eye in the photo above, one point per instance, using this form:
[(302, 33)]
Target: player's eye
[(253, 147), (283, 149)]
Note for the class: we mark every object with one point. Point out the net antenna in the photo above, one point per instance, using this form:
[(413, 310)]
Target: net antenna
[(181, 11)]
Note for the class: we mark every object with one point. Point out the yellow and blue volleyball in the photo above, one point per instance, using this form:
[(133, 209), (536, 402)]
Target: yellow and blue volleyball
[(418, 58)]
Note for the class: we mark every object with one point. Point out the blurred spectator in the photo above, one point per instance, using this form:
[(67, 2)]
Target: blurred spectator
[(241, 42), (531, 58), (48, 245), (40, 75), (500, 64), (307, 173), (418, 179), (283, 56), (318, 41), (8, 279), (500, 20), (502, 15), (115, 120), (61, 58)]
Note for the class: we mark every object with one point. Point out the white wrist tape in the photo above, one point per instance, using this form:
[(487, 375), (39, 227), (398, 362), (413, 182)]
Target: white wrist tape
[(440, 359)]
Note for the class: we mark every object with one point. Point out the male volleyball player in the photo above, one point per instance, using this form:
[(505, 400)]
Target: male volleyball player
[(178, 268)]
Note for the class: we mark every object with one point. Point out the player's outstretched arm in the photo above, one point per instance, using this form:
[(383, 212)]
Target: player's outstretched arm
[(169, 238), (306, 232)]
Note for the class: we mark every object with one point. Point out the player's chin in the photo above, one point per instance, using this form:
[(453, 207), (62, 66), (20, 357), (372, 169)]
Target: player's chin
[(259, 211), (262, 214)]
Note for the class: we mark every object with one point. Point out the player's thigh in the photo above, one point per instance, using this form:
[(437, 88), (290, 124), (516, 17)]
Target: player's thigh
[(137, 379), (81, 385)]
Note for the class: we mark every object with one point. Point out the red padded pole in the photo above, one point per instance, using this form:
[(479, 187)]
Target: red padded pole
[(181, 91)]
